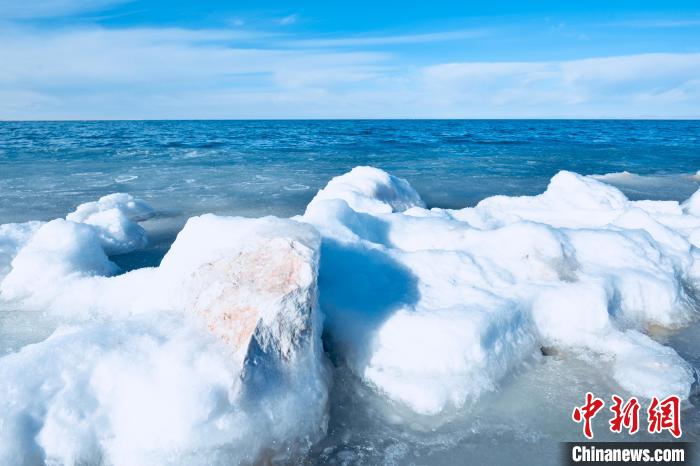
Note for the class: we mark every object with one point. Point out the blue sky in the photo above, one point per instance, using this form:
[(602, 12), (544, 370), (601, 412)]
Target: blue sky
[(103, 59)]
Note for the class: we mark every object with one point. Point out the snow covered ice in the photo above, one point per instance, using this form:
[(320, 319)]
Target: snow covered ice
[(213, 357), (447, 302), (216, 354)]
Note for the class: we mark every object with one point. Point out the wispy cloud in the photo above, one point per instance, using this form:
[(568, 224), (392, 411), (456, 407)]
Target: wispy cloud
[(13, 9), (359, 41), (619, 86), (65, 70), (655, 23), (233, 73), (287, 20)]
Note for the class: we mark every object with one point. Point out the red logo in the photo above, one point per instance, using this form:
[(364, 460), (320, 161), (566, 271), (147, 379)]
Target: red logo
[(587, 412), (626, 416), (665, 415), (662, 415)]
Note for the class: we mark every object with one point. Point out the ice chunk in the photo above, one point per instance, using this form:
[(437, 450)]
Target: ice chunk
[(41, 262), (420, 361), (132, 208), (233, 372), (646, 368), (13, 237), (152, 390), (572, 314), (571, 200), (58, 253), (38, 258), (692, 205), (431, 308), (576, 316), (434, 308), (115, 218), (368, 189)]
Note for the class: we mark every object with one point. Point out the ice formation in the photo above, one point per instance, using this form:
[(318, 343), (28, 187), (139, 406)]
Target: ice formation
[(434, 307), (216, 354), (12, 237), (115, 218), (214, 357), (367, 189), (112, 221)]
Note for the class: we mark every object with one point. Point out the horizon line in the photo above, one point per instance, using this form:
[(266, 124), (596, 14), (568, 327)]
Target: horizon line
[(97, 120)]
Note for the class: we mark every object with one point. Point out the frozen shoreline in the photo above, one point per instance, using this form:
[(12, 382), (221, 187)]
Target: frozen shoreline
[(432, 309)]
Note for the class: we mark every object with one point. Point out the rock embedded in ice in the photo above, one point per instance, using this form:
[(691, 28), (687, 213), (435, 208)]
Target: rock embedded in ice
[(222, 365), (264, 292), (252, 283)]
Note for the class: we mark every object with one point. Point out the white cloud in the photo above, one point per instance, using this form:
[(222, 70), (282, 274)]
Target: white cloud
[(216, 73), (164, 57), (389, 39), (14, 9), (620, 86), (655, 23), (287, 20)]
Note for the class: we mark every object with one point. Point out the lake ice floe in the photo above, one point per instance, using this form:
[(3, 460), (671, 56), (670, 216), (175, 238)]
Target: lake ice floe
[(430, 307)]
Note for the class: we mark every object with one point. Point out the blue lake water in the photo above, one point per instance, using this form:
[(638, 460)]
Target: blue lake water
[(275, 167)]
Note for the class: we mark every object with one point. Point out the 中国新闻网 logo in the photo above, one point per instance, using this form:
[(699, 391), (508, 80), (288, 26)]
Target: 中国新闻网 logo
[(661, 414)]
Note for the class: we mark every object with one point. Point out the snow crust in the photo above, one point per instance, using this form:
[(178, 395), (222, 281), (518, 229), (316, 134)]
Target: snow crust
[(12, 237), (215, 356), (368, 189), (111, 221), (114, 218), (152, 390), (434, 307)]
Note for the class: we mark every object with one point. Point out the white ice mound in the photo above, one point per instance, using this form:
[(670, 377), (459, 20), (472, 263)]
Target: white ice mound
[(433, 308), (212, 358), (39, 261), (58, 253), (368, 189), (61, 249), (13, 236), (571, 200), (115, 218), (692, 205)]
